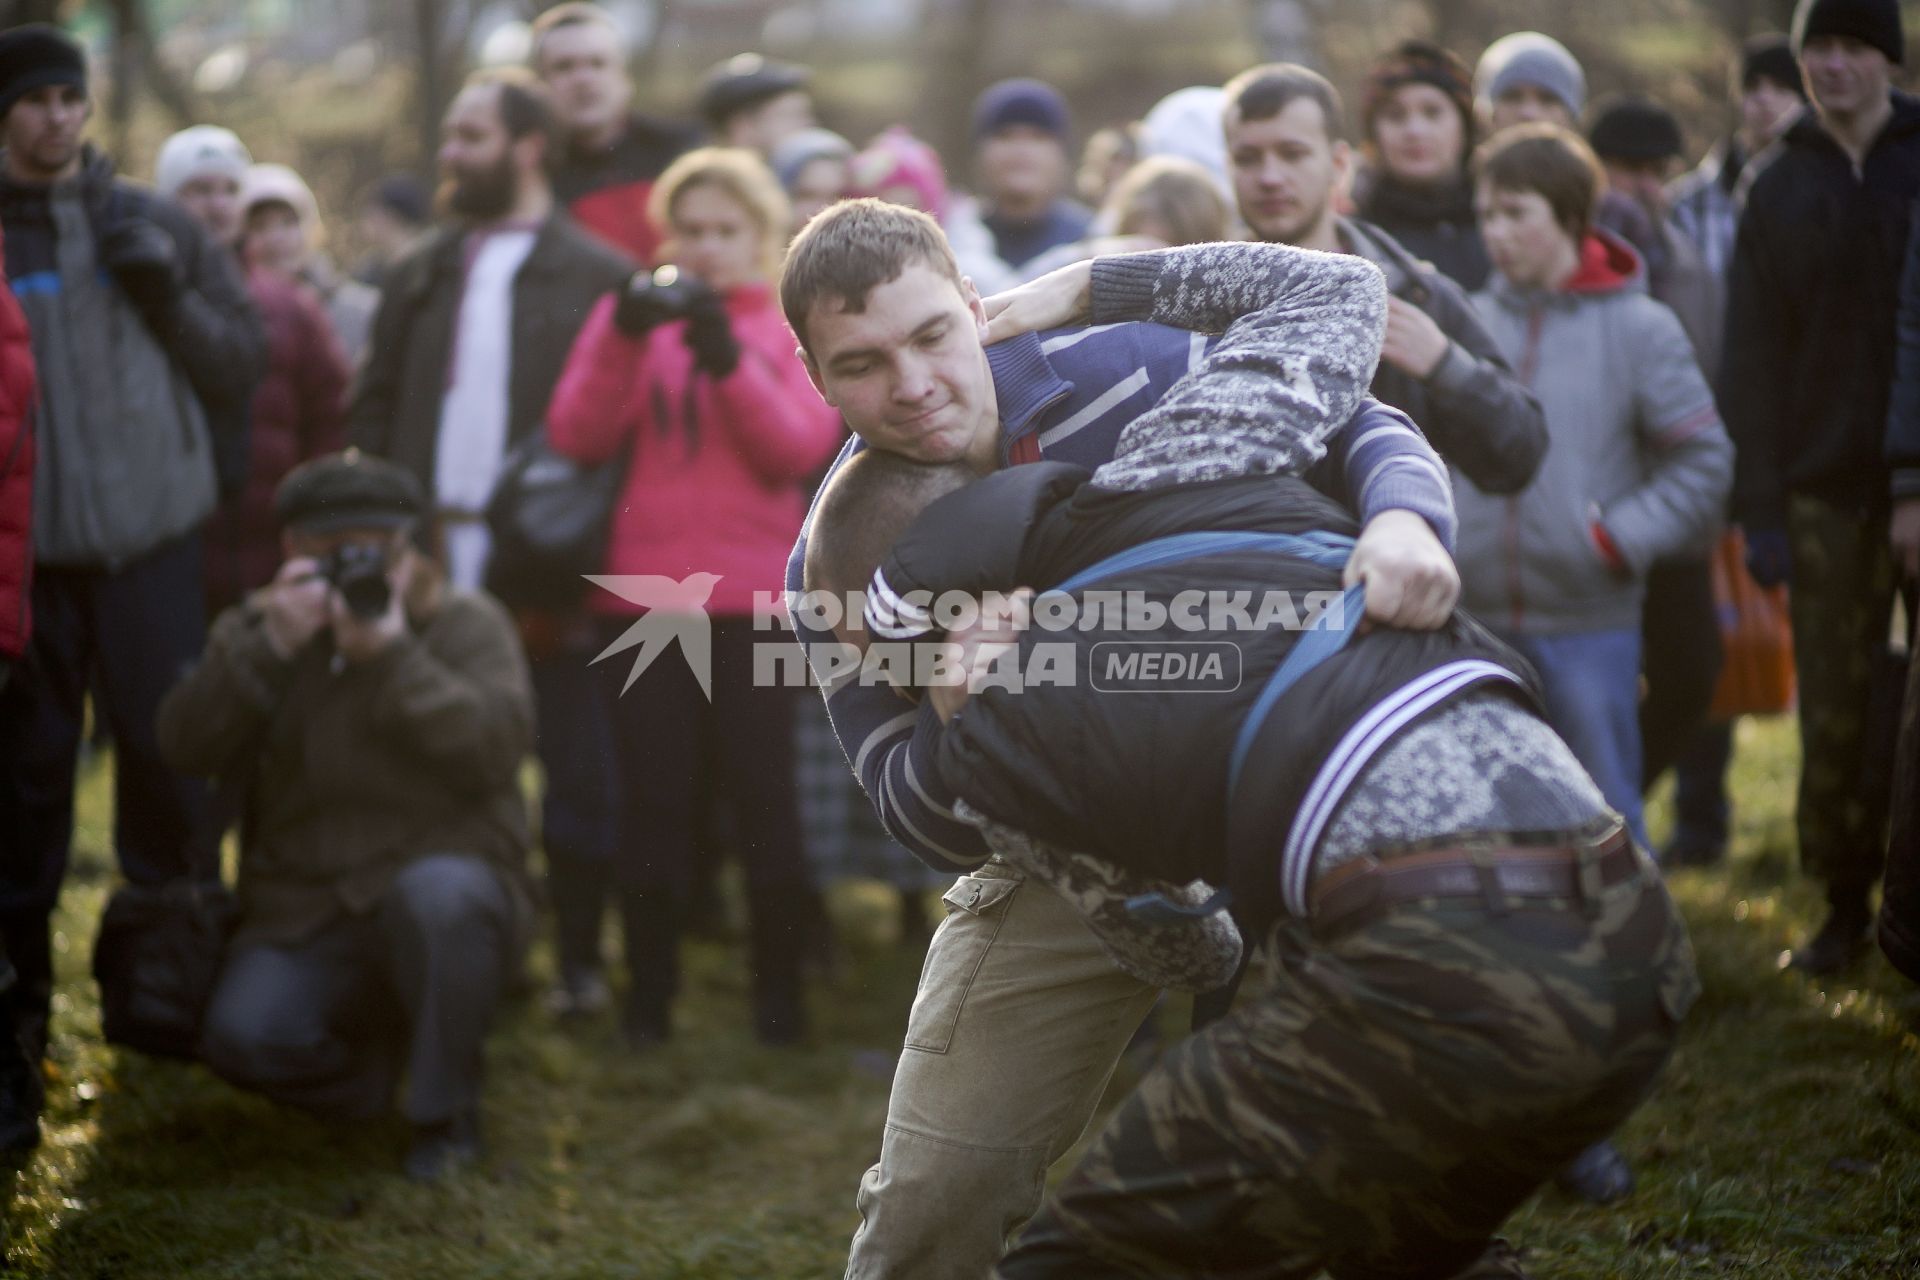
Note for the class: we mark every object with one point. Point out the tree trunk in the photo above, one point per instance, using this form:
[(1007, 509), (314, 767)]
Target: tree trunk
[(1289, 31), (968, 66), (137, 57)]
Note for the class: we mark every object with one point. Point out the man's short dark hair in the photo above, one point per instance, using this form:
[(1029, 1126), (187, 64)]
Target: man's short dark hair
[(1266, 91), (1554, 163), (525, 105), (575, 13), (865, 507), (851, 249)]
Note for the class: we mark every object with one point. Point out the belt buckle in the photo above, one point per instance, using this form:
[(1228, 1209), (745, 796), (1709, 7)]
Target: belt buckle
[(1480, 853)]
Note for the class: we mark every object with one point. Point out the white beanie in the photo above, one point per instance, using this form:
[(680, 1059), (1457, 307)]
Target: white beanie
[(1187, 123), (267, 183), (192, 153)]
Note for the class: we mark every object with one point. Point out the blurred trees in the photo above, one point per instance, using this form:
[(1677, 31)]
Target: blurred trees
[(348, 90)]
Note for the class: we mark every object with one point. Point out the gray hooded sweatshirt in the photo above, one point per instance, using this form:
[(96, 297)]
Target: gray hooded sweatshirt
[(1638, 465)]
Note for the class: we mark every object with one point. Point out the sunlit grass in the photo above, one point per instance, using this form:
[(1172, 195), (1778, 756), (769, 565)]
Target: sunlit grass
[(1784, 1141)]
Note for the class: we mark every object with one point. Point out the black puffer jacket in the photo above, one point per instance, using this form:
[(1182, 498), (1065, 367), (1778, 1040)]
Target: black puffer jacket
[(1135, 767), (1812, 302)]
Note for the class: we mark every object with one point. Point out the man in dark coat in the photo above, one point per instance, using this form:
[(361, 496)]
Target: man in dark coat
[(1286, 156), (147, 352), (474, 327), (1809, 363)]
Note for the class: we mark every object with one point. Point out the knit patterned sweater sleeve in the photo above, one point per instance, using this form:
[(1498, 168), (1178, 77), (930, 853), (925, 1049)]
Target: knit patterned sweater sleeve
[(1300, 340)]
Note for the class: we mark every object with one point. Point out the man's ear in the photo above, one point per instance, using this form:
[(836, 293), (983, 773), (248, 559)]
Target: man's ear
[(813, 375), (1342, 164)]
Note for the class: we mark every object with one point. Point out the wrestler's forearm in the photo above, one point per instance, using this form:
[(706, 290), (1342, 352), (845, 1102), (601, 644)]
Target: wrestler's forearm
[(1207, 287)]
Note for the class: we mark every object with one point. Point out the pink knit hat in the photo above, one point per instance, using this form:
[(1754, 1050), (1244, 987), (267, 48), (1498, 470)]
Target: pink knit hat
[(897, 159)]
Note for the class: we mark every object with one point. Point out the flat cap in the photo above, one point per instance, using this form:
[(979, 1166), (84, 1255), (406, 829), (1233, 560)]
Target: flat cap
[(350, 490), (746, 80)]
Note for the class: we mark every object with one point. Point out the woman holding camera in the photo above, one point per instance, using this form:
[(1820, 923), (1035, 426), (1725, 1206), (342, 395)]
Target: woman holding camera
[(692, 373)]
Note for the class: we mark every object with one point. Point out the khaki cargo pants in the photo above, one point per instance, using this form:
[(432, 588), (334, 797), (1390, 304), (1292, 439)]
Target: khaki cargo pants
[(1018, 1023)]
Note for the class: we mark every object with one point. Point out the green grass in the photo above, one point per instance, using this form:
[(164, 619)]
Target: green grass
[(1783, 1142)]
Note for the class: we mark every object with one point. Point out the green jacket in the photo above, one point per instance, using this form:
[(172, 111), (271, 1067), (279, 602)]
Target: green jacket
[(348, 772)]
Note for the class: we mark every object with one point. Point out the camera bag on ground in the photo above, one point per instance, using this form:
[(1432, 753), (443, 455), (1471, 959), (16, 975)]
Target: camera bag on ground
[(157, 957), (549, 517)]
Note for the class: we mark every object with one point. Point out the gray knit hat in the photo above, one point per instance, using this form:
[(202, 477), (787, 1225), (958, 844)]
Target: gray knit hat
[(1527, 57)]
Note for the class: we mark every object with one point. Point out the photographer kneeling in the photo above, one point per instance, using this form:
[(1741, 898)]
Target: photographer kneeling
[(372, 721)]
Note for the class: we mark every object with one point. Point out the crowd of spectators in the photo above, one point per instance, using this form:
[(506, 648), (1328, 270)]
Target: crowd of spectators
[(213, 427)]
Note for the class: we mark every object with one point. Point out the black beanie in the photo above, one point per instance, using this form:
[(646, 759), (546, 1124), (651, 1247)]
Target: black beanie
[(37, 55), (1635, 129), (1770, 57), (1874, 22)]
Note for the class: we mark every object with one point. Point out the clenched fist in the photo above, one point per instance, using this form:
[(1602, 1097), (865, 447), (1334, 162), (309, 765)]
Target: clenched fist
[(1411, 580)]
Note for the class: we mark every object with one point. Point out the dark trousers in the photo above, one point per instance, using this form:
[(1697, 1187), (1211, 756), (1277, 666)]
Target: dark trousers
[(674, 742), (127, 633), (1700, 811), (1680, 658), (579, 808), (330, 1023), (1841, 599)]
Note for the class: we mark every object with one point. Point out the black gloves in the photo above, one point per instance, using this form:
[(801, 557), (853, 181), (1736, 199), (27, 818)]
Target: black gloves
[(710, 336), (652, 298), (140, 256)]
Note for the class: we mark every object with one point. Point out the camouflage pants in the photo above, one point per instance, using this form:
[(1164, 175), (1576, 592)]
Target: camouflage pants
[(1378, 1112), (1843, 585)]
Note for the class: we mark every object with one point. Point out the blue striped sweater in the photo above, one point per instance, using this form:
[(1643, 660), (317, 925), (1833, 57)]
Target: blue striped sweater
[(1074, 391)]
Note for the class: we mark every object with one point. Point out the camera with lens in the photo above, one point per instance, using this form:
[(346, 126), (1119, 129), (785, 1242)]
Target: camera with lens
[(358, 571), (656, 298)]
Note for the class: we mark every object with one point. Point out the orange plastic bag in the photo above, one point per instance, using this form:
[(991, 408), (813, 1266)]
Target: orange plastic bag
[(1756, 637)]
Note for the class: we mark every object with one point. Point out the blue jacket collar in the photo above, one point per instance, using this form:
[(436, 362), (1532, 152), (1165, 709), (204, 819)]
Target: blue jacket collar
[(1025, 383)]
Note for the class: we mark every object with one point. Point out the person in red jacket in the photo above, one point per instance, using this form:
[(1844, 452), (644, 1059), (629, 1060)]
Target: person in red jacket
[(17, 388), (19, 1078), (697, 379), (613, 154), (299, 408)]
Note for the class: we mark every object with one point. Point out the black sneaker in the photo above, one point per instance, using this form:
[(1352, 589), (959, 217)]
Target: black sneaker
[(1690, 850), (21, 1096), (1598, 1175), (443, 1149), (1842, 940), (644, 1028)]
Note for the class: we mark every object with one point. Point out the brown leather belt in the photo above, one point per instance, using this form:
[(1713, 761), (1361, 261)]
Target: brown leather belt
[(1494, 873)]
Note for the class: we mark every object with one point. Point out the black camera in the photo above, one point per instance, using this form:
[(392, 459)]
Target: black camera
[(650, 300), (358, 571)]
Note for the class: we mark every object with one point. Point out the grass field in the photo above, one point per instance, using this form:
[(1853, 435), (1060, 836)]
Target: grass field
[(1784, 1141)]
